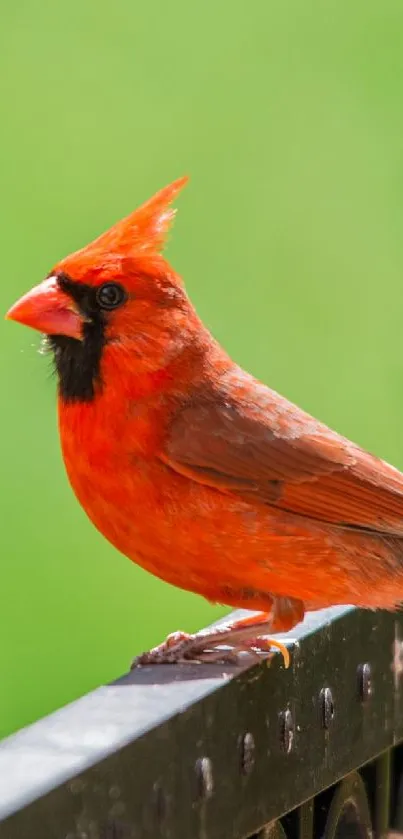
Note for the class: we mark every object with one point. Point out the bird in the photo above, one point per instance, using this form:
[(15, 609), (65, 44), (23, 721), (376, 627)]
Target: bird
[(193, 468)]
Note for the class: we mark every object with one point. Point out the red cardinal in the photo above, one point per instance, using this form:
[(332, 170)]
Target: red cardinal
[(190, 466)]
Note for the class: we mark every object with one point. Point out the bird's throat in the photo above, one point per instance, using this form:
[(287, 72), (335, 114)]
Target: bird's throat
[(78, 363)]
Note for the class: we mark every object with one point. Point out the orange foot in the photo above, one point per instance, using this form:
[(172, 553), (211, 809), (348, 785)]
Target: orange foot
[(247, 634)]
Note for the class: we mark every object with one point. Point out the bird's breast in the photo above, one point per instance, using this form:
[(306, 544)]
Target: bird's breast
[(200, 539), (147, 511)]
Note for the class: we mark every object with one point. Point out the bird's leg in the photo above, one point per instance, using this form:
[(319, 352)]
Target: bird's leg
[(246, 634)]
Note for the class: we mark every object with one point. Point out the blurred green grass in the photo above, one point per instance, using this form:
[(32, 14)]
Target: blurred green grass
[(289, 119)]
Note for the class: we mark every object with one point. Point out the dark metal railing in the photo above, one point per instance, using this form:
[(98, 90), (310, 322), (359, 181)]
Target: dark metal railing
[(225, 752)]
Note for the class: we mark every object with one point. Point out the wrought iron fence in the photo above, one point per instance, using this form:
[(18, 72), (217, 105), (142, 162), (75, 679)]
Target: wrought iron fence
[(225, 752)]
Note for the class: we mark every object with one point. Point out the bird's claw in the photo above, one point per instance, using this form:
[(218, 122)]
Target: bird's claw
[(172, 651), (183, 648)]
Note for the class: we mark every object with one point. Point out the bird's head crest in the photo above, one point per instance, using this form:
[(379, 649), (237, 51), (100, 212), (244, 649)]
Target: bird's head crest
[(139, 237)]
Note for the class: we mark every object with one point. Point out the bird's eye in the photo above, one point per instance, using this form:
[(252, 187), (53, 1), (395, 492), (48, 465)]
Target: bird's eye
[(110, 295)]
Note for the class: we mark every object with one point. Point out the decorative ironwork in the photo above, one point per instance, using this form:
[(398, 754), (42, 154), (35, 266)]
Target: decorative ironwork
[(225, 752)]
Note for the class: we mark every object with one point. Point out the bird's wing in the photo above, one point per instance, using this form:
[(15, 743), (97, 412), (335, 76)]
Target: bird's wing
[(248, 440)]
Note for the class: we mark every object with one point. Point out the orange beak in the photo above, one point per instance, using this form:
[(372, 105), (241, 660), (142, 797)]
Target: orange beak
[(48, 309)]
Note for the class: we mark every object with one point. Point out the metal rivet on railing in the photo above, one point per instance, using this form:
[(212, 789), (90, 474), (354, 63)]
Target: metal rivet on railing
[(326, 707), (247, 753), (204, 772), (286, 730), (365, 686)]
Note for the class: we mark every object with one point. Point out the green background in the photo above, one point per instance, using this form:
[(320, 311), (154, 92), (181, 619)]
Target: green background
[(289, 118)]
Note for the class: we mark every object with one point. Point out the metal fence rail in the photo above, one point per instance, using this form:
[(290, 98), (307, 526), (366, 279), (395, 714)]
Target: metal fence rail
[(223, 752)]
